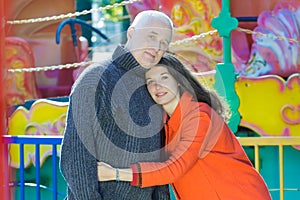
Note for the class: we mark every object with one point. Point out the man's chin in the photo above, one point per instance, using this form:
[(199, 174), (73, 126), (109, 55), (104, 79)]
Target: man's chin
[(148, 65), (150, 61)]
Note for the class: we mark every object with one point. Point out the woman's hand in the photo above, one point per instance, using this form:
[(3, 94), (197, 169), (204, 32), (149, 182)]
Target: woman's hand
[(106, 172)]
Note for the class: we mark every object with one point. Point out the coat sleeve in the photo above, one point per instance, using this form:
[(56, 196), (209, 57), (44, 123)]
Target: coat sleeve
[(78, 163), (182, 159)]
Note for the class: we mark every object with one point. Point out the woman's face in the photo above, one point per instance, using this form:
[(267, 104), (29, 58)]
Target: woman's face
[(162, 86)]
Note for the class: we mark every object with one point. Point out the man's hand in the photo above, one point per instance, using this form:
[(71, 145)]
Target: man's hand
[(106, 172)]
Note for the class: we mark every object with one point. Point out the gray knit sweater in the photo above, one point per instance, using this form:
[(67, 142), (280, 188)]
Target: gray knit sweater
[(111, 118)]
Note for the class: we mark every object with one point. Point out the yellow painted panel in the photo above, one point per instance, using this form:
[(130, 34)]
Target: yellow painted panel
[(270, 105), (45, 117)]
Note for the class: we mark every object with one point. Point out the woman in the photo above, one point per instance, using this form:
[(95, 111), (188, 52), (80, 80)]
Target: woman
[(205, 159)]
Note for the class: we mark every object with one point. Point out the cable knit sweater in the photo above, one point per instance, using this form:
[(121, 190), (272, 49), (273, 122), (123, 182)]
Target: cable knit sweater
[(111, 118)]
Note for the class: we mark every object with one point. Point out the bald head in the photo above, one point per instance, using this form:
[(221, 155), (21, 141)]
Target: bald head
[(149, 37), (150, 18)]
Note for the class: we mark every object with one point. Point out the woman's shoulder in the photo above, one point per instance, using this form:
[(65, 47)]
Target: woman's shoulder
[(189, 104), (204, 107)]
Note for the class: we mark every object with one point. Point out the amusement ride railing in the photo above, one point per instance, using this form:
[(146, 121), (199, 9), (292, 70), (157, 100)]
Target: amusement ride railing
[(37, 141), (255, 142), (280, 142)]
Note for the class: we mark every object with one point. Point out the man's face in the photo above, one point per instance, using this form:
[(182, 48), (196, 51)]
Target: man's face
[(148, 44)]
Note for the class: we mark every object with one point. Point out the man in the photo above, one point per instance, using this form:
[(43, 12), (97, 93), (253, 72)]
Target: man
[(112, 118)]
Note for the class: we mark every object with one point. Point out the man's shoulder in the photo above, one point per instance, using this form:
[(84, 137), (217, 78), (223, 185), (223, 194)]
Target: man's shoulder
[(96, 68), (91, 75)]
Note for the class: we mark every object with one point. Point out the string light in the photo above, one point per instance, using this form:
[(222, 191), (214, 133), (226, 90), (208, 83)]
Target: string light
[(70, 15), (47, 68), (291, 40)]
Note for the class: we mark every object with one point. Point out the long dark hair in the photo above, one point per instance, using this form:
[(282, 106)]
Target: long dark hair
[(188, 82)]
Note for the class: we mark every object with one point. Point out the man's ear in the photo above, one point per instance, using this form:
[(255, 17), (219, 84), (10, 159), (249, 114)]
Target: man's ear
[(130, 32)]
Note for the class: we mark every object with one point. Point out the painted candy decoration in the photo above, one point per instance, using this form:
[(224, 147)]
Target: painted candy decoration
[(20, 86), (274, 54), (136, 7)]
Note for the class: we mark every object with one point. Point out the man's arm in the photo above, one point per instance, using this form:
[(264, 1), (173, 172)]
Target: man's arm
[(78, 163)]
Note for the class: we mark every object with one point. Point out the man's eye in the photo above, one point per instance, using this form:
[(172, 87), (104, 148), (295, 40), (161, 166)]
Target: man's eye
[(152, 37)]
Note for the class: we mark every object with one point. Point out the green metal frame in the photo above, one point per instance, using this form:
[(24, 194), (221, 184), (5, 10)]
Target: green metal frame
[(225, 76)]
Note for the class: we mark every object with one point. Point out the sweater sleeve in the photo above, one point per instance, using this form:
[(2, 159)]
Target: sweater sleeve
[(184, 156), (78, 163)]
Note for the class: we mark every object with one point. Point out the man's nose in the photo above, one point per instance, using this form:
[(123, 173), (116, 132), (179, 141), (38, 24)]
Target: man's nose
[(158, 45)]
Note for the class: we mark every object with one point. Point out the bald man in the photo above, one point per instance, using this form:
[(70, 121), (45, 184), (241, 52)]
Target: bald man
[(112, 118)]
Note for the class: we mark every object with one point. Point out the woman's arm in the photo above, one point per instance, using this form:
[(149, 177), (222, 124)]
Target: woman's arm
[(181, 160), (108, 173), (192, 133)]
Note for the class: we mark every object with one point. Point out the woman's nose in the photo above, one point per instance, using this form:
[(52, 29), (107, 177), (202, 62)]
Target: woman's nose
[(158, 85)]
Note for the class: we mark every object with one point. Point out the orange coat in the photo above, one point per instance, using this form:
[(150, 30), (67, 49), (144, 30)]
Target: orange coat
[(206, 161)]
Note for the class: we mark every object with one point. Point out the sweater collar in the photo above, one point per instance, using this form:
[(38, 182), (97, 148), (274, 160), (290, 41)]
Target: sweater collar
[(124, 59), (179, 112)]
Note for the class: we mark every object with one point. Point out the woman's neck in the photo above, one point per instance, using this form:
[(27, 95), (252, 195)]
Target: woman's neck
[(171, 106)]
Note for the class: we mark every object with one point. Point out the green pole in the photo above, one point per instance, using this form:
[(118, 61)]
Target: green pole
[(225, 76), (226, 36)]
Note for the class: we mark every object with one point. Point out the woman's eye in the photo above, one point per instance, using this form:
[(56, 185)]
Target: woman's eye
[(150, 82), (164, 77)]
